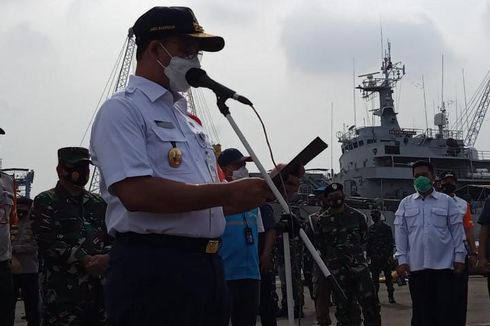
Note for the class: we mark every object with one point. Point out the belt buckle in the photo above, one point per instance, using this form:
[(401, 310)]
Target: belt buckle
[(212, 247)]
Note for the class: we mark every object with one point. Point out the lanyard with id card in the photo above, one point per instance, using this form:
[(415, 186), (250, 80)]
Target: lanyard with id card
[(249, 237)]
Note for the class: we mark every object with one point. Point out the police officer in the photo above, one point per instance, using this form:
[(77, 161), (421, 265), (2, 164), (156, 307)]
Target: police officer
[(68, 224), (380, 252), (159, 177), (24, 251), (340, 234), (8, 217), (448, 186)]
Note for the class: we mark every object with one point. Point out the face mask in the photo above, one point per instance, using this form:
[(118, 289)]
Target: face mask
[(240, 173), (336, 202), (448, 188), (78, 175), (21, 213), (422, 184), (176, 70)]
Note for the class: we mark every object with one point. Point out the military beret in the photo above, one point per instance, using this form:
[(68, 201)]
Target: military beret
[(73, 155), (333, 187)]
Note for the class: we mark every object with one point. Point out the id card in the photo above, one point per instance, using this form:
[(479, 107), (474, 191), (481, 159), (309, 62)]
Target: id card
[(249, 237)]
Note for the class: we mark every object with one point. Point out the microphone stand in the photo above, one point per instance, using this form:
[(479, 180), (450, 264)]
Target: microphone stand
[(287, 212)]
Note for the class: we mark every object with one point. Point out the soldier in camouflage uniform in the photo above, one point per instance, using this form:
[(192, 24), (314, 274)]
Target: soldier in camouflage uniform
[(380, 252), (68, 223), (296, 249), (340, 234)]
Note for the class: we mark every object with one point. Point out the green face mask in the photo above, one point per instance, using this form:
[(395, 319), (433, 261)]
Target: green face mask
[(422, 184)]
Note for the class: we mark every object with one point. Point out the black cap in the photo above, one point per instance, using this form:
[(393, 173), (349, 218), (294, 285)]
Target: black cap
[(232, 155), (448, 174), (73, 155), (2, 132), (333, 187), (161, 21)]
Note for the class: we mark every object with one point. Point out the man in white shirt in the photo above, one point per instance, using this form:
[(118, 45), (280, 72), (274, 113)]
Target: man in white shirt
[(429, 239), (166, 205)]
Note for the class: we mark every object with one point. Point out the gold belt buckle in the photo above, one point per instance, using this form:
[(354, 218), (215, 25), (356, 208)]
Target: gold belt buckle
[(212, 247)]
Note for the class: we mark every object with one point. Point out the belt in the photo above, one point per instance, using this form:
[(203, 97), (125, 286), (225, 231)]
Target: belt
[(185, 244)]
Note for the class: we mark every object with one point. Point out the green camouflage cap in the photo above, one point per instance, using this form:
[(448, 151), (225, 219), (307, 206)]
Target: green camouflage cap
[(73, 155)]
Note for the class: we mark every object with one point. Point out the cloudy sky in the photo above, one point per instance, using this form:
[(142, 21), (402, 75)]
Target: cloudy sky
[(292, 58)]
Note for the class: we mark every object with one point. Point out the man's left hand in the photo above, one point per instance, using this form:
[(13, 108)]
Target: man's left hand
[(459, 268)]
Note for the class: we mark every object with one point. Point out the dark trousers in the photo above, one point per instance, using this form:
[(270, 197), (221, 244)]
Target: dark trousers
[(149, 285), (243, 301), (461, 296), (432, 293), (376, 269), (7, 314), (268, 305), (28, 286)]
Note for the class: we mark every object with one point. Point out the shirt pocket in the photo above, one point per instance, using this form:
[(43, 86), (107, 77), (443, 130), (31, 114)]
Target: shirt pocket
[(411, 215), (438, 217), (163, 141)]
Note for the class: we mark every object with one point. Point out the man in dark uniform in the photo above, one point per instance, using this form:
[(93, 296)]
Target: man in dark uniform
[(68, 224), (380, 252), (166, 204), (340, 234)]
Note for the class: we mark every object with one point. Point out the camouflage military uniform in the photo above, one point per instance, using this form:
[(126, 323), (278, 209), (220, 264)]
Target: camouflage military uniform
[(380, 252), (341, 239), (296, 249), (67, 230)]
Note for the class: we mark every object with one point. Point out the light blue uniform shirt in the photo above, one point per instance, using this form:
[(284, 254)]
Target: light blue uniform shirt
[(241, 260), (429, 232), (131, 136)]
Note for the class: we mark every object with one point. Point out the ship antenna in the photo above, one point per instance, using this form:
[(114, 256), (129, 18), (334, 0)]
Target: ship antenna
[(354, 88), (425, 105), (442, 83), (382, 42)]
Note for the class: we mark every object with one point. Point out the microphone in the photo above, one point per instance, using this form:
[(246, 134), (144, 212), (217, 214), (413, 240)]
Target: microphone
[(199, 78)]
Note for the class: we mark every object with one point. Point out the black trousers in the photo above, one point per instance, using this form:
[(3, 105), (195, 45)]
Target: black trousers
[(433, 294), (461, 296), (28, 286), (151, 285), (243, 302), (7, 313), (268, 305)]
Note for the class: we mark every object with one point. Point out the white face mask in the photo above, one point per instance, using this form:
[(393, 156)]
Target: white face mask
[(176, 70), (240, 173)]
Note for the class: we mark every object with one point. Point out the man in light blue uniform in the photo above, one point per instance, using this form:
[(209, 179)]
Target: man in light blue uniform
[(166, 205), (240, 248), (429, 239)]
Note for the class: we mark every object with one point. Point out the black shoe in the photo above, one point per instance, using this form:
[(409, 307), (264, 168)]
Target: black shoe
[(391, 299), (298, 313), (283, 312)]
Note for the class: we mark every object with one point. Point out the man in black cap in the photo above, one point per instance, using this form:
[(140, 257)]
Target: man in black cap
[(448, 182), (68, 224), (340, 234), (159, 177)]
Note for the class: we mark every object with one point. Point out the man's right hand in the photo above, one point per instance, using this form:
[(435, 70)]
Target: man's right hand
[(245, 194), (403, 270)]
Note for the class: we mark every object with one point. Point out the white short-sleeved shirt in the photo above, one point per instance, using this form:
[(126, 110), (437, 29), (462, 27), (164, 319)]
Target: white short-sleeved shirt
[(131, 136)]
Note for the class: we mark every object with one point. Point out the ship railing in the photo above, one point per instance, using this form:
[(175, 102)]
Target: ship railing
[(466, 173), (446, 134)]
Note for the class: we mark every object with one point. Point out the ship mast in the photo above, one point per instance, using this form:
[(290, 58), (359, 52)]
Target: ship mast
[(391, 74)]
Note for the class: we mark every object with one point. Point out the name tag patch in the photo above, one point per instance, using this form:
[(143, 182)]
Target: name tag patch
[(165, 124)]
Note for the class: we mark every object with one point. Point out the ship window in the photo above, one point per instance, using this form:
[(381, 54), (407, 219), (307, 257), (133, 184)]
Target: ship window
[(349, 147), (361, 143), (355, 144), (392, 149), (371, 141)]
